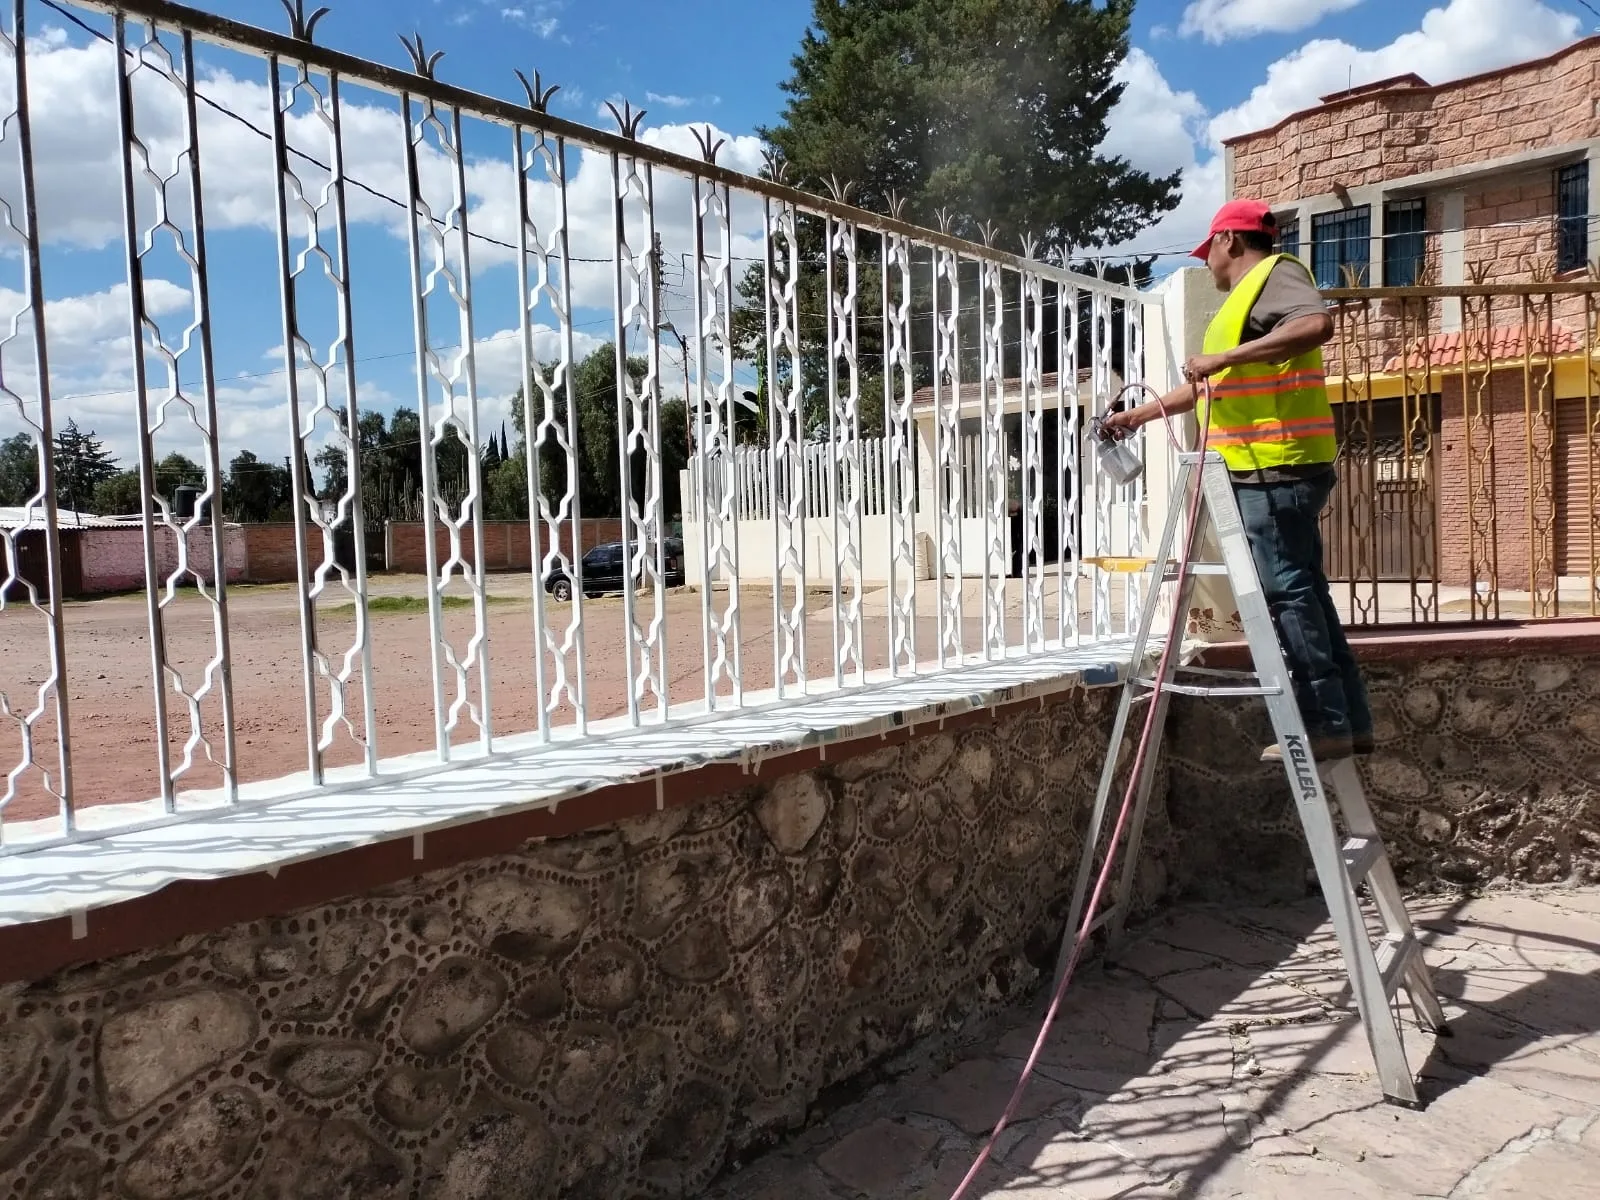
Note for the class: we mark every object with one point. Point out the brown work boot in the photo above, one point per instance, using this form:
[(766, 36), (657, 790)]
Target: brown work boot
[(1323, 749)]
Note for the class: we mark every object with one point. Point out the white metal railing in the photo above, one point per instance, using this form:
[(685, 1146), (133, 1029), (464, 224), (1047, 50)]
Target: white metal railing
[(995, 484)]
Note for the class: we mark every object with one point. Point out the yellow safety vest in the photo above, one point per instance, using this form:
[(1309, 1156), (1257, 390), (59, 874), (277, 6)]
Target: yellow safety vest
[(1266, 415)]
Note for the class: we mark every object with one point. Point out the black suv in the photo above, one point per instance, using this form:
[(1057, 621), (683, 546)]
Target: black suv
[(603, 571)]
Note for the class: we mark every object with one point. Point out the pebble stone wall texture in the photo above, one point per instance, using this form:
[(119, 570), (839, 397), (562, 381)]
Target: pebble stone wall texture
[(606, 1016), (1487, 771)]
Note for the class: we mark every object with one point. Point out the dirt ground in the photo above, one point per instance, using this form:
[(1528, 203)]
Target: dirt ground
[(112, 701)]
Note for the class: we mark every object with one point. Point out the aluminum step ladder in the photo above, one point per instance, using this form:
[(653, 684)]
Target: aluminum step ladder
[(1377, 968)]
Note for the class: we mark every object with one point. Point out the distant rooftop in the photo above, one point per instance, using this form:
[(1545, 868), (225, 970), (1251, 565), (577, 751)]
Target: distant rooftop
[(1413, 83)]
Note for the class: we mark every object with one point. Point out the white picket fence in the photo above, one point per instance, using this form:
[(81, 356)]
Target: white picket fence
[(752, 481)]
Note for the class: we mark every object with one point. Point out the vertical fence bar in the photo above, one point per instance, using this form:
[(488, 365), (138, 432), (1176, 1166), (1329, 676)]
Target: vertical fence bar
[(1133, 372), (555, 530), (298, 483), (528, 295), (51, 694), (844, 464), (1483, 563), (448, 433), (138, 319), (219, 670), (331, 117), (1070, 475), (785, 380), (947, 422), (902, 477), (1030, 302), (316, 261), (1538, 375), (1104, 493), (995, 449), (473, 574), (416, 212)]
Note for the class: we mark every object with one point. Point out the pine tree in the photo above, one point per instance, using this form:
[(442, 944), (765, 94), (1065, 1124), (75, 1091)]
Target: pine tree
[(82, 464)]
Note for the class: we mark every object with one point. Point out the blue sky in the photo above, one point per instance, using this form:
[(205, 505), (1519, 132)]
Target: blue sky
[(1200, 70)]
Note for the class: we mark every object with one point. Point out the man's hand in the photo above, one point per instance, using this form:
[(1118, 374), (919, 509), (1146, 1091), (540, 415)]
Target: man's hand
[(1125, 421), (1203, 366)]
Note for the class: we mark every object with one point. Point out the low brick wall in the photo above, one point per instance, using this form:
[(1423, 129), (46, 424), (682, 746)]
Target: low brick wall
[(603, 1015), (1487, 771), (269, 553), (113, 559), (506, 544)]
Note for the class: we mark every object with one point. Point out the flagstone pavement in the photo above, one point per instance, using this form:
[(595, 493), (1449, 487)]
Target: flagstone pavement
[(1219, 1056)]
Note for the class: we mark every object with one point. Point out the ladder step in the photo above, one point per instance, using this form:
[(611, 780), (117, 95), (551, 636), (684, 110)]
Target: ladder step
[(1200, 689), (1360, 856), (1170, 575), (1103, 918), (1394, 959)]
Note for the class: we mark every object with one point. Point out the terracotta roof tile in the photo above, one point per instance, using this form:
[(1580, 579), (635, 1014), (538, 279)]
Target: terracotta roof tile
[(1494, 345)]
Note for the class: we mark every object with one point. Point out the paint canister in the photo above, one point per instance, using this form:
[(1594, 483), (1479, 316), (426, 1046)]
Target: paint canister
[(1115, 457)]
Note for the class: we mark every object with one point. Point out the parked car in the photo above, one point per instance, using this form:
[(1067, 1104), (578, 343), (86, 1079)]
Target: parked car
[(604, 571)]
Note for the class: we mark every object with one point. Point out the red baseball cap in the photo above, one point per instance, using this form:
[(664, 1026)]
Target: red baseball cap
[(1239, 216)]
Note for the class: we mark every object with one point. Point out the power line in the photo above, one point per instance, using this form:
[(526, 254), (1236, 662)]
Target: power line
[(224, 110)]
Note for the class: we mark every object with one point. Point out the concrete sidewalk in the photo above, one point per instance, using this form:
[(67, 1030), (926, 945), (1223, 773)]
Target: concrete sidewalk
[(1218, 1059)]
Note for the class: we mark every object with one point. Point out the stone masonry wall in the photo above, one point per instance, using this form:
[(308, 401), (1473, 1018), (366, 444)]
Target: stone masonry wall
[(1487, 771), (608, 1015)]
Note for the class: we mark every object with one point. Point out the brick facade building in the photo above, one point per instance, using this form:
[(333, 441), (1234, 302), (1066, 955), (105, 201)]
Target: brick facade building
[(1487, 176), (1480, 407)]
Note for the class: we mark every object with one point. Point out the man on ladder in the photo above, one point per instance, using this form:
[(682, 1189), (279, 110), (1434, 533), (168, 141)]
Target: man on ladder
[(1271, 422)]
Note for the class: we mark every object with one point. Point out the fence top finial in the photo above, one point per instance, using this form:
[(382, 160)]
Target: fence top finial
[(897, 204), (538, 94), (421, 61), (301, 27), (708, 147), (628, 118), (777, 165), (839, 189)]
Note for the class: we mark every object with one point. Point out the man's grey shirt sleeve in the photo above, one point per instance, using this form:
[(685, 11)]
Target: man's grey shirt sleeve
[(1288, 293)]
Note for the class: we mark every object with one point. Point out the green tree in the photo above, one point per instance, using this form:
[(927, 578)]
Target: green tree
[(987, 115), (82, 463), (505, 491), (993, 111), (256, 491), (119, 496), (19, 469), (175, 471)]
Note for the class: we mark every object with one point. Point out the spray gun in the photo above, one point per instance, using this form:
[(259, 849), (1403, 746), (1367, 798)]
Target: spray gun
[(1116, 458)]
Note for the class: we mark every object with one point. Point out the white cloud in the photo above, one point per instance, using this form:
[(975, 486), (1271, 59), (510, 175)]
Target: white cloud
[(1461, 38), (670, 101), (1219, 21), (78, 163), (1161, 130), (540, 16)]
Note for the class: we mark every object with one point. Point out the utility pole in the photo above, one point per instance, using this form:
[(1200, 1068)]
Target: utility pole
[(656, 260)]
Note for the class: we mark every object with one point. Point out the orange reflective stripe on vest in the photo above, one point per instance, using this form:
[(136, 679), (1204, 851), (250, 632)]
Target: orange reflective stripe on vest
[(1266, 385), (1272, 431), (1265, 415)]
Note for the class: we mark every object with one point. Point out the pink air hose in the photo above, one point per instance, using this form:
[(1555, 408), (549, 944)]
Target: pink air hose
[(1082, 940)]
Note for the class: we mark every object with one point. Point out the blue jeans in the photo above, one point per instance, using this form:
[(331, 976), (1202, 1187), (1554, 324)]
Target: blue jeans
[(1280, 520)]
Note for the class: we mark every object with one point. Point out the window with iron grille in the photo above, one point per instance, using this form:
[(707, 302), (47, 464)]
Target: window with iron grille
[(1341, 239), (1572, 217), (1404, 242), (1289, 236)]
